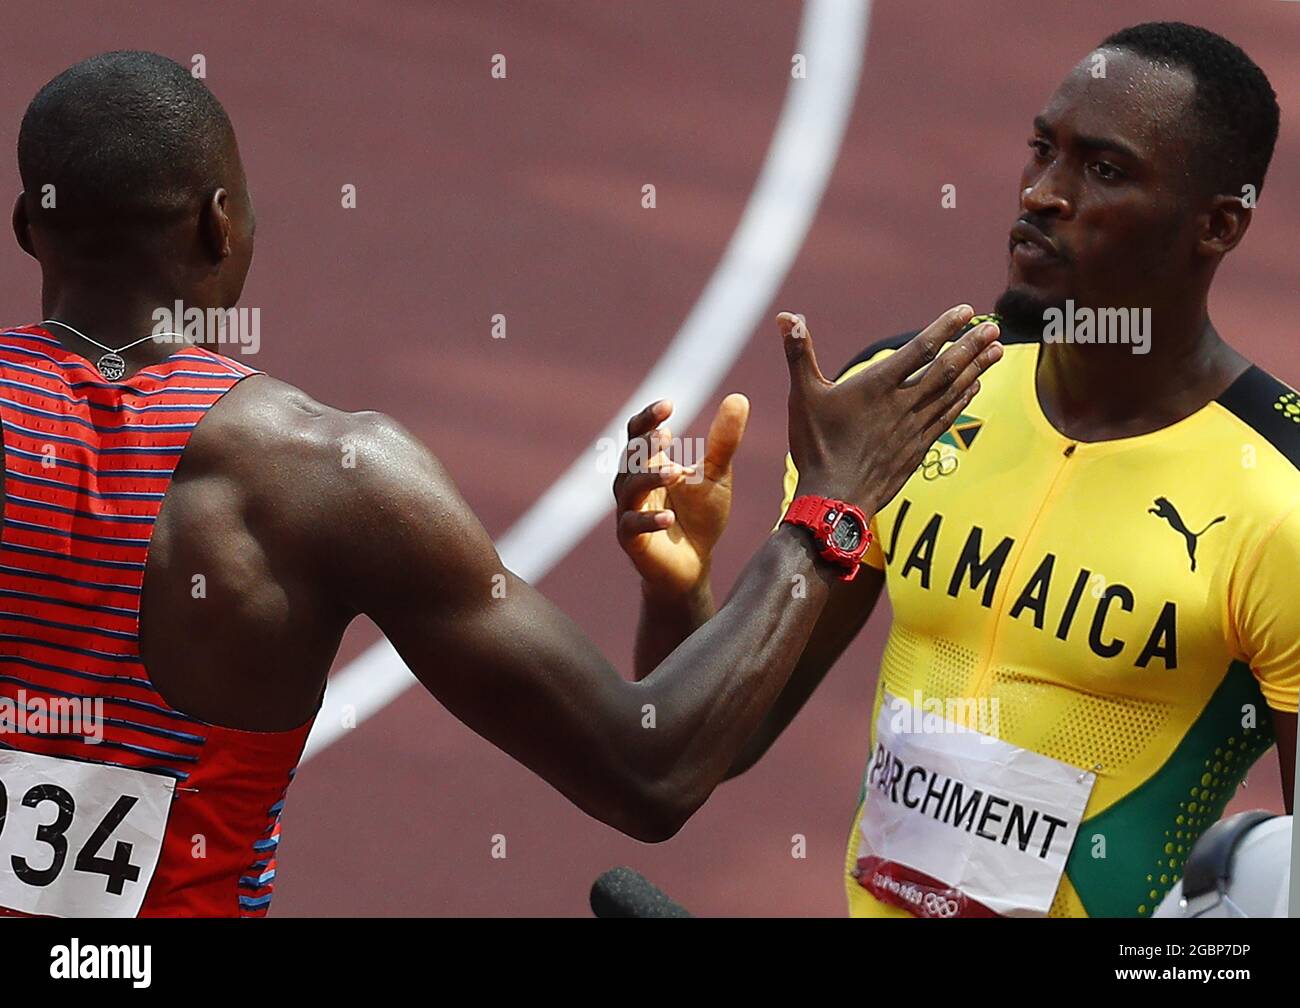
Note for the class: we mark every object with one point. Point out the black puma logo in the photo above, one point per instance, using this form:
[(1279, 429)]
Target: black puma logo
[(1166, 510)]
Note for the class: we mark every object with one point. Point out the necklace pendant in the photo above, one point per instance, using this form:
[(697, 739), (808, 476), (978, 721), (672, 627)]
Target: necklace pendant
[(111, 366)]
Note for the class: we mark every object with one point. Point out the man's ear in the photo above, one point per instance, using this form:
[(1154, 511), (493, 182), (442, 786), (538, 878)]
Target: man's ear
[(1223, 225), (22, 227), (215, 226)]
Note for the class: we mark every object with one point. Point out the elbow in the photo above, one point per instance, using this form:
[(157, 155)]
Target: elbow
[(755, 749), (659, 819), (743, 762), (663, 806), (655, 829)]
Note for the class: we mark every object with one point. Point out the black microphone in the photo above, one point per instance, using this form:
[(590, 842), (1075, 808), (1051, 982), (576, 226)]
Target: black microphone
[(622, 892)]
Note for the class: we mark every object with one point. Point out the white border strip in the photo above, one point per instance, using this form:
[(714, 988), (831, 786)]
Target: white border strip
[(798, 166)]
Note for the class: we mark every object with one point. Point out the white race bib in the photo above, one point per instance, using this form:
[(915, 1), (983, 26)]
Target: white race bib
[(78, 839), (961, 824)]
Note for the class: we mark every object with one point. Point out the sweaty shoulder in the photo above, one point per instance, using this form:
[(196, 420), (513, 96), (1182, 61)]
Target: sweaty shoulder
[(301, 471), (264, 428), (333, 491)]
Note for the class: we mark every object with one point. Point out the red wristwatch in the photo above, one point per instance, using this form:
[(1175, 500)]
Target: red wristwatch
[(838, 528)]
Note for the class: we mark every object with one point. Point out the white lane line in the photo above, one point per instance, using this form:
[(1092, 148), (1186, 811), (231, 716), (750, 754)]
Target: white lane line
[(798, 166)]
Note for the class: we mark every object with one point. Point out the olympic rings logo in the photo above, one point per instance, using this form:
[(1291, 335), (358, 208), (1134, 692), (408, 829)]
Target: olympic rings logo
[(936, 464), (937, 905)]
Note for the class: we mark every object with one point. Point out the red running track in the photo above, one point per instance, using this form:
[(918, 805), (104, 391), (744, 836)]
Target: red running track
[(522, 197)]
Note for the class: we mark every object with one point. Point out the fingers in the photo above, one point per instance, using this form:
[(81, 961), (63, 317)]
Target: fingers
[(805, 376), (632, 489), (954, 397), (635, 523), (921, 348), (649, 418), (638, 427), (725, 434), (952, 408), (961, 363), (654, 445), (644, 470)]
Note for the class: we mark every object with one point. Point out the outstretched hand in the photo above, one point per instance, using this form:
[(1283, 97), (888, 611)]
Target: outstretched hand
[(861, 439), (669, 515)]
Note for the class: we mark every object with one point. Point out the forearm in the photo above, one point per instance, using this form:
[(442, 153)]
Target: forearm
[(712, 692), (846, 611), (640, 756), (664, 622)]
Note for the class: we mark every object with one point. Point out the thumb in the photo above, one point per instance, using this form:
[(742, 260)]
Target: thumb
[(805, 375), (725, 432)]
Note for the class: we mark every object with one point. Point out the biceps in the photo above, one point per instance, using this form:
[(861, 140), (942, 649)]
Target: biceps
[(486, 644)]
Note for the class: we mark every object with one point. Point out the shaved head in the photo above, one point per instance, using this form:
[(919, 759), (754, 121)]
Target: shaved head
[(128, 141)]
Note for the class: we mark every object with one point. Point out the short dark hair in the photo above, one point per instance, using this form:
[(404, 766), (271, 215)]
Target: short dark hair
[(125, 138), (1235, 107)]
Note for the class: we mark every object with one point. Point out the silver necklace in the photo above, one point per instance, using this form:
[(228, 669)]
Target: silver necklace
[(111, 365)]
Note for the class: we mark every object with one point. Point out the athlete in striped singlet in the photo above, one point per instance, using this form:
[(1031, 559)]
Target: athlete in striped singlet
[(183, 548)]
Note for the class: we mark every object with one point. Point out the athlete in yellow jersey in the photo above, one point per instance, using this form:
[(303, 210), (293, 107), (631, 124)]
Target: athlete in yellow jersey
[(1126, 607), (1096, 626)]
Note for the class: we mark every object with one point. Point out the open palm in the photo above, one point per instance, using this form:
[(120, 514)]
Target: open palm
[(670, 517)]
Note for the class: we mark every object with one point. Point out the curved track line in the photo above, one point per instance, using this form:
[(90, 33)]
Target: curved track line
[(798, 166)]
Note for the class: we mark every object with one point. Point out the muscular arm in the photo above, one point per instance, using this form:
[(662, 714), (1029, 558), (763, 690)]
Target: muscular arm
[(386, 534), (665, 623), (519, 672)]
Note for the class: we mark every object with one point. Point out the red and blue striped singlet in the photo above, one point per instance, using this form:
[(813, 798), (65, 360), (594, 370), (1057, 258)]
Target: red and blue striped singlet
[(112, 803)]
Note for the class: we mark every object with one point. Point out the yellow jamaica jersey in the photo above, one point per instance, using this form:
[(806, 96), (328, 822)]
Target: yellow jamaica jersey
[(1128, 608)]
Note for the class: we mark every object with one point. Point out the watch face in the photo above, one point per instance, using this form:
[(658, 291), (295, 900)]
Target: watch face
[(847, 534)]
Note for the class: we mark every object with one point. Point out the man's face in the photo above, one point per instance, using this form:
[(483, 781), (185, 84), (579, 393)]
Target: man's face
[(1106, 197)]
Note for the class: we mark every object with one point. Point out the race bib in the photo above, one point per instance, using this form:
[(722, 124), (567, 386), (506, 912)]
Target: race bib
[(77, 839), (961, 824)]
